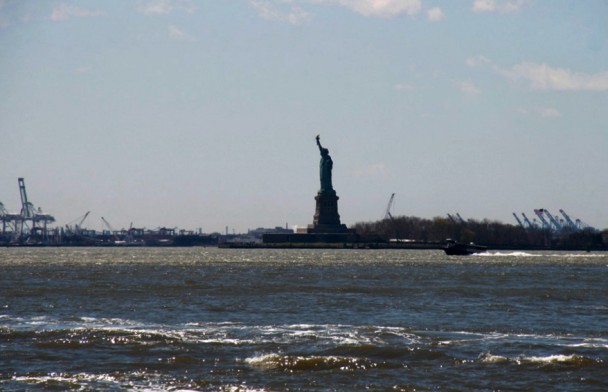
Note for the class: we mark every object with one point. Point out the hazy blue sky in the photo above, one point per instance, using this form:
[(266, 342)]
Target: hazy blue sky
[(203, 113)]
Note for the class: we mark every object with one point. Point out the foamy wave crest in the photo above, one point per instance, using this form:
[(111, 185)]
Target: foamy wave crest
[(58, 381), (51, 323), (234, 388), (565, 255), (90, 330), (582, 255), (552, 359), (327, 335), (102, 322), (591, 343), (489, 358), (308, 363), (131, 381), (555, 359)]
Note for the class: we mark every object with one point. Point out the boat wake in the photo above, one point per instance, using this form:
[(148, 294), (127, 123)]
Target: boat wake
[(564, 255), (506, 254)]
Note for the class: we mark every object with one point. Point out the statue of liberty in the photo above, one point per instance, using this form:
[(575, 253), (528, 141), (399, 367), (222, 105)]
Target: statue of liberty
[(325, 167)]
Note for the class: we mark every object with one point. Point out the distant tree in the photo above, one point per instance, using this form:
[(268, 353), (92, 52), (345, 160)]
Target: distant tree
[(486, 232)]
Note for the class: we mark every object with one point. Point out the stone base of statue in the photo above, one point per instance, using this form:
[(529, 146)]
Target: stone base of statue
[(326, 218), (325, 229)]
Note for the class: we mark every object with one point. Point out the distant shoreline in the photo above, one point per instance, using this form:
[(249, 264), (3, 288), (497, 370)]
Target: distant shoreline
[(353, 245)]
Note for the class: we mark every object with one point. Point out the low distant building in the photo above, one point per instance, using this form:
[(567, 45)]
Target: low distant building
[(260, 231)]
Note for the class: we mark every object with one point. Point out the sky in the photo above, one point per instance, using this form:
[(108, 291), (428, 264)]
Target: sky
[(203, 113)]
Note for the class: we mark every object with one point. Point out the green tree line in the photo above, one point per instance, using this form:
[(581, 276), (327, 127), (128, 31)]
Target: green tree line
[(485, 232)]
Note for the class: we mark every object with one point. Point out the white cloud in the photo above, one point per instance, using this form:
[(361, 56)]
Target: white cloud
[(468, 88), (158, 7), (162, 7), (477, 61), (64, 12), (373, 170), (435, 14), (379, 8), (507, 6), (543, 77), (177, 34), (270, 11)]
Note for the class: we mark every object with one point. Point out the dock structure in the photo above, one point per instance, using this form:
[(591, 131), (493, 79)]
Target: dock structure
[(29, 225), (553, 223)]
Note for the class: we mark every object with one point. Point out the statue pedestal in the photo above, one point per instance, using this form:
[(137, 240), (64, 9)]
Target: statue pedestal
[(326, 211), (326, 228), (326, 218)]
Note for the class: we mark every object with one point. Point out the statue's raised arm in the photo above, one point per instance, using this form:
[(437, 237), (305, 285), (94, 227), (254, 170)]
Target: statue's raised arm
[(319, 142)]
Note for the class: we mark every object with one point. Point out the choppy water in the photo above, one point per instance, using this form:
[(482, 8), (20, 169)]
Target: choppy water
[(147, 319)]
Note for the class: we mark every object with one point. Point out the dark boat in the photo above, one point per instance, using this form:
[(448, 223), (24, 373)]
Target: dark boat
[(454, 248)]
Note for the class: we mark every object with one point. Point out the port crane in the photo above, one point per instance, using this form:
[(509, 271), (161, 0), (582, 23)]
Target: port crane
[(552, 219), (113, 233), (540, 213), (29, 213), (519, 221), (83, 219), (582, 225), (457, 220), (107, 224), (552, 222), (76, 229), (4, 217), (530, 224), (571, 224), (27, 208), (387, 214), (20, 227)]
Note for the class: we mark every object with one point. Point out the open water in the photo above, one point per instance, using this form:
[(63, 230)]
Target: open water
[(207, 319)]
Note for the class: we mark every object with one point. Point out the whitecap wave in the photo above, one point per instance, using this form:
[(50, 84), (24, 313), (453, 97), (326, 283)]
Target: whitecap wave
[(228, 333), (590, 343), (564, 255), (489, 358), (67, 381), (304, 363), (553, 359), (322, 334), (558, 358), (506, 254), (264, 361)]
